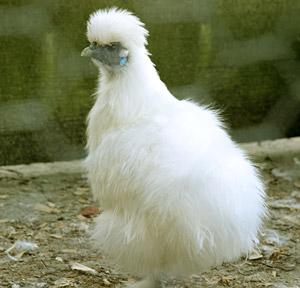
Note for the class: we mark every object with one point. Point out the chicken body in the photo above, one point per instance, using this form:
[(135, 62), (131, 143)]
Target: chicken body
[(178, 195)]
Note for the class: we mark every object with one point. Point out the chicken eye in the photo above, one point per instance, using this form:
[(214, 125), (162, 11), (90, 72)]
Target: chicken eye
[(112, 47)]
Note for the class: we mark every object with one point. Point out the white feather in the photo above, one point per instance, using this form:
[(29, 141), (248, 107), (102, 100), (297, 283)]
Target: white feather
[(178, 195)]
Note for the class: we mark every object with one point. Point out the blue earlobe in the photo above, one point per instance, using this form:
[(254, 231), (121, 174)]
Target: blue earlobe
[(123, 61)]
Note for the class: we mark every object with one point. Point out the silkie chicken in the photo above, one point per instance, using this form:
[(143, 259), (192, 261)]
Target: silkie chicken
[(178, 195)]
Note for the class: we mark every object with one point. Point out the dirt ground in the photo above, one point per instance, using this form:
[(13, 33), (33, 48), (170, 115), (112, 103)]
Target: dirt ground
[(44, 238)]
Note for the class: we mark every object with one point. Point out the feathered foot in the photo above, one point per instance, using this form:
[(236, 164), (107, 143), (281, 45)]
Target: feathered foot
[(148, 282)]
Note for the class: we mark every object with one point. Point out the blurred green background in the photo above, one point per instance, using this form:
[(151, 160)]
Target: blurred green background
[(241, 56)]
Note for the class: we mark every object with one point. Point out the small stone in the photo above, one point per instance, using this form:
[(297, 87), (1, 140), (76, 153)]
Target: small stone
[(89, 211), (43, 208), (106, 282)]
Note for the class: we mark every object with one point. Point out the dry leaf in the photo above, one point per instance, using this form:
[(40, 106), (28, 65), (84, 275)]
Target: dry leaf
[(43, 225), (19, 255), (57, 236), (106, 282), (213, 280), (226, 279), (4, 220), (297, 184), (80, 267), (89, 211), (80, 191), (43, 208), (80, 217), (63, 283), (255, 255), (60, 225), (71, 251), (277, 252)]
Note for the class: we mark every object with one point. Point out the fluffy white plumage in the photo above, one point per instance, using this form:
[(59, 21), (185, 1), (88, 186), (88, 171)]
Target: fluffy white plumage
[(178, 195)]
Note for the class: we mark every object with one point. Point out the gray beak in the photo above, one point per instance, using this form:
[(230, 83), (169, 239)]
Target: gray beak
[(87, 52)]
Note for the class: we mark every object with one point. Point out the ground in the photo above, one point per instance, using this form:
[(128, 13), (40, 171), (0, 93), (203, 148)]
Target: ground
[(44, 236)]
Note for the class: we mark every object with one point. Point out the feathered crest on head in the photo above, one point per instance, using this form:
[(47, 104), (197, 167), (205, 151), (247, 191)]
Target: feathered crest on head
[(116, 25)]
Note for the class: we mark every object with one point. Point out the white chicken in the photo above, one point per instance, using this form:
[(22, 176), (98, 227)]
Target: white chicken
[(178, 195)]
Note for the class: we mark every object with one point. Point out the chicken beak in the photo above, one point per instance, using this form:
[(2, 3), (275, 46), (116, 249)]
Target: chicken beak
[(87, 52)]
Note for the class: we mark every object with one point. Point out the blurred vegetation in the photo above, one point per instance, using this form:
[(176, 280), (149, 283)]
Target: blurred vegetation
[(241, 56)]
